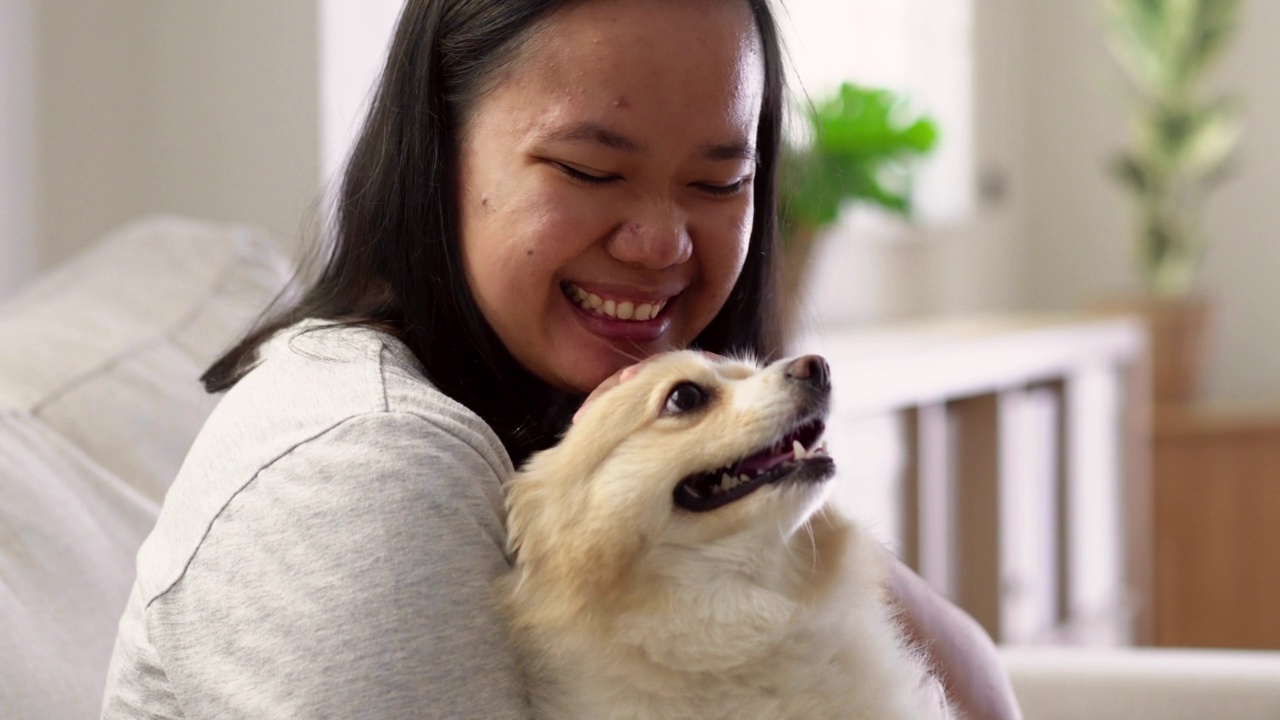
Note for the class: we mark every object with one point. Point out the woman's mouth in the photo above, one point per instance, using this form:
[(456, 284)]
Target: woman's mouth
[(613, 309)]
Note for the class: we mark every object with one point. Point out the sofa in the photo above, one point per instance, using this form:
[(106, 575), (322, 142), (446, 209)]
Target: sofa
[(99, 399)]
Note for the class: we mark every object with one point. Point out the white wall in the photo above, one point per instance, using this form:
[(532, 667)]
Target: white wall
[(235, 110), (1243, 271), (964, 264), (90, 109), (1052, 233), (17, 140), (1077, 229), (206, 109), (234, 103), (1075, 232), (353, 48)]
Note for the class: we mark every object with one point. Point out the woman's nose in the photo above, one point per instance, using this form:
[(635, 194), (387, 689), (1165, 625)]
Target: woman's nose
[(658, 239)]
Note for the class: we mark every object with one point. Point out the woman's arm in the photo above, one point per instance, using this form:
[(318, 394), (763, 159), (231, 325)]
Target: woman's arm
[(351, 578), (962, 654)]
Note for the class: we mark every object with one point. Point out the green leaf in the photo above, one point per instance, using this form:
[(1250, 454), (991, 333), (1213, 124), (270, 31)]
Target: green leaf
[(1212, 138), (921, 136), (1216, 24), (1182, 145), (1165, 46), (863, 140), (1129, 170)]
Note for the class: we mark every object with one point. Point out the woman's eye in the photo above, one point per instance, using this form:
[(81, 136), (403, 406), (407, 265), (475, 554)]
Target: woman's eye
[(585, 177), (724, 190), (684, 397)]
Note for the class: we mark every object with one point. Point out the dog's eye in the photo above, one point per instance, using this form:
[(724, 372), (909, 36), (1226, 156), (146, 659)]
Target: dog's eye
[(683, 398)]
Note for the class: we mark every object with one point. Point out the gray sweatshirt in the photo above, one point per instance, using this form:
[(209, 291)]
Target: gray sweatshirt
[(326, 550)]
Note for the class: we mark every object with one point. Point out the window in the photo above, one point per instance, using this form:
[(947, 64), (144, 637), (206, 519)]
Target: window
[(354, 37), (918, 47)]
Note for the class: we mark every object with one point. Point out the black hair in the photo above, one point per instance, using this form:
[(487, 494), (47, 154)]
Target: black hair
[(394, 262)]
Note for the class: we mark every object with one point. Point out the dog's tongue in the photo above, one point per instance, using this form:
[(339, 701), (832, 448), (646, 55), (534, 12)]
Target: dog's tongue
[(766, 460)]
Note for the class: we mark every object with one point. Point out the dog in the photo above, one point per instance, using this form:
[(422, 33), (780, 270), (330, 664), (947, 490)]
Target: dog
[(676, 556)]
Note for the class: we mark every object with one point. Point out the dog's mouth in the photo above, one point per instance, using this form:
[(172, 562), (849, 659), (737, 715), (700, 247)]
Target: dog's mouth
[(796, 456)]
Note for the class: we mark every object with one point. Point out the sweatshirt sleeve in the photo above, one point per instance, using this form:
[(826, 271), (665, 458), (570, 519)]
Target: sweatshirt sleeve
[(351, 578)]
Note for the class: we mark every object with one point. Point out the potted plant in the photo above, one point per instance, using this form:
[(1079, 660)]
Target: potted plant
[(1182, 145), (859, 148)]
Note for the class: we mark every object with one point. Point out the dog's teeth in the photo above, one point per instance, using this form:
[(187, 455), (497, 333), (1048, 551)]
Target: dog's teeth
[(743, 479), (797, 450), (696, 495)]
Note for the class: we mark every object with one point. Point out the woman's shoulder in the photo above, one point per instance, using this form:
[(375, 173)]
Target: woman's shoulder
[(315, 377), (317, 374), (330, 419)]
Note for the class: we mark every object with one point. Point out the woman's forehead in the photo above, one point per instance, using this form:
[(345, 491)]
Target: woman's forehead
[(615, 72)]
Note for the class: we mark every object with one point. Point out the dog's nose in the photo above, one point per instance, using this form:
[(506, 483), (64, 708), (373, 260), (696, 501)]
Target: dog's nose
[(811, 370)]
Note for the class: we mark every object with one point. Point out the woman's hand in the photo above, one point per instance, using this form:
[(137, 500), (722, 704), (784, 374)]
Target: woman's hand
[(962, 654)]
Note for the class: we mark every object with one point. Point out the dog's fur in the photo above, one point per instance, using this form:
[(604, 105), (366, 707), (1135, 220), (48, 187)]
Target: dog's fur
[(625, 605)]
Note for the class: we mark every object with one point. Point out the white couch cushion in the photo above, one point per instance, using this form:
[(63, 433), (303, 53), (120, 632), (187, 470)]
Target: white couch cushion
[(1145, 683), (108, 349), (99, 400), (69, 531)]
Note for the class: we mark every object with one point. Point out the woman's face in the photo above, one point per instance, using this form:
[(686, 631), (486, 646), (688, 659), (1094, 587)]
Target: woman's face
[(606, 182)]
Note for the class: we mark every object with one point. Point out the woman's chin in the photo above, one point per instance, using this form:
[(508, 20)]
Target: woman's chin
[(583, 374), (590, 349)]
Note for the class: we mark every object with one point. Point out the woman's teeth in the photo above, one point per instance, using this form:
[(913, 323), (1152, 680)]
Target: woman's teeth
[(624, 310)]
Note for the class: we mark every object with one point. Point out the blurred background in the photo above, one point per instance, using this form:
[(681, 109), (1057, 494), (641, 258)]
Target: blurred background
[(1000, 429)]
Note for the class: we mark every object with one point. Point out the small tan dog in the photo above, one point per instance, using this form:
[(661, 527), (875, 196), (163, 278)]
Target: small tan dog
[(676, 558)]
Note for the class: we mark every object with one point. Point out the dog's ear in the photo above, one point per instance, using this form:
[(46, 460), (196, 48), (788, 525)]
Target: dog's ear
[(611, 382)]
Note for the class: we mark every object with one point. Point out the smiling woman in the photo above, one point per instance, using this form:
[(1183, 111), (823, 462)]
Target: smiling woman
[(630, 188), (544, 192), (603, 168), (343, 505)]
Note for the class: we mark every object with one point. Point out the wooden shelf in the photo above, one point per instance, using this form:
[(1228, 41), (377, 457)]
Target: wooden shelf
[(1022, 487), (1217, 527)]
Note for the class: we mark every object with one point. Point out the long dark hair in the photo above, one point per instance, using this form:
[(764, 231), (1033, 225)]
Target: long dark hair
[(394, 261)]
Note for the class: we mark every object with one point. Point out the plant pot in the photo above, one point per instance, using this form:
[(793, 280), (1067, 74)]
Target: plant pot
[(1179, 333)]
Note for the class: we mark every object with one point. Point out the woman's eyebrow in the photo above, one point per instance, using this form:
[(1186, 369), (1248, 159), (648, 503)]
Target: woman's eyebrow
[(741, 150), (594, 132)]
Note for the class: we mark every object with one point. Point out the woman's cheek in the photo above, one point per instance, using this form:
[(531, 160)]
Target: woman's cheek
[(574, 218), (734, 231)]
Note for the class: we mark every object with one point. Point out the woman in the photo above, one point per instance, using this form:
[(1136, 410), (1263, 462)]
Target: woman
[(544, 192)]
